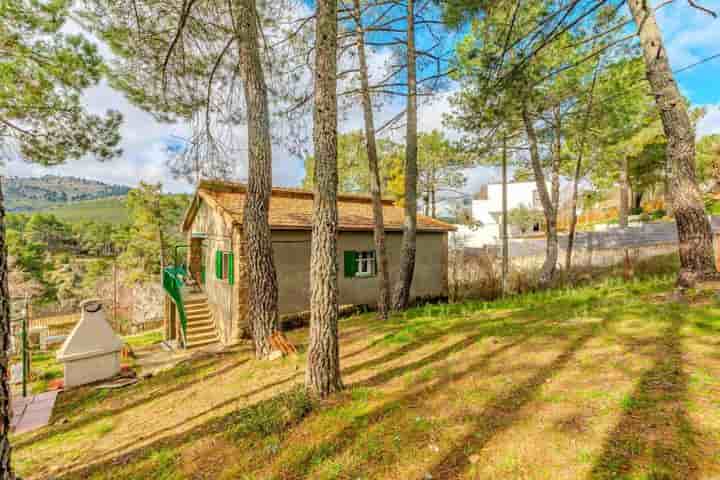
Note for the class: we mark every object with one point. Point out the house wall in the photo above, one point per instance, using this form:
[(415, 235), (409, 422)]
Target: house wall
[(223, 298), (291, 251), (521, 193)]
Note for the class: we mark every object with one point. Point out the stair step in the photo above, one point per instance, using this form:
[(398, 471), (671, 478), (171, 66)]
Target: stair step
[(197, 306), (197, 329), (212, 336), (197, 311), (198, 322), (201, 344), (195, 301)]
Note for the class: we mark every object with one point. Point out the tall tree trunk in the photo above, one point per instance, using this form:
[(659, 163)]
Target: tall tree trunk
[(373, 164), (624, 193), (323, 370), (6, 472), (262, 278), (694, 233), (504, 232), (409, 247), (551, 250)]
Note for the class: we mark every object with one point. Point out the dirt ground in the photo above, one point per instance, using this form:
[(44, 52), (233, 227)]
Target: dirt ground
[(614, 380)]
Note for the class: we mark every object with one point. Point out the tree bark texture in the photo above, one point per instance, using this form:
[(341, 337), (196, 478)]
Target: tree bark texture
[(6, 472), (694, 233), (375, 189), (409, 243), (322, 377), (262, 278), (624, 193), (551, 250)]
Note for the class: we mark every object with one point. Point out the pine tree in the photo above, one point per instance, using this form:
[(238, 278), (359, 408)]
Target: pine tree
[(42, 120), (322, 377)]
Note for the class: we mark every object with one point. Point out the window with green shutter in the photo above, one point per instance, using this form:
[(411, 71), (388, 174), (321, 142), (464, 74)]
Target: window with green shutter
[(350, 264), (231, 268), (360, 264), (218, 265)]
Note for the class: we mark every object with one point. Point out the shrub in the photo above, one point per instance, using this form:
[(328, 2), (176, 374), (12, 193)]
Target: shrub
[(636, 211), (658, 214)]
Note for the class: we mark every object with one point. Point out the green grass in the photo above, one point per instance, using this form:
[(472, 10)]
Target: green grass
[(144, 339), (609, 380), (113, 209)]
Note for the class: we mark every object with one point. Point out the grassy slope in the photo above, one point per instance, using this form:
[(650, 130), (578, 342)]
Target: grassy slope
[(614, 380), (112, 210)]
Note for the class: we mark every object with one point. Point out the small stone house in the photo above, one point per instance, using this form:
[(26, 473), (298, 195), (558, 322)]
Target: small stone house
[(213, 225)]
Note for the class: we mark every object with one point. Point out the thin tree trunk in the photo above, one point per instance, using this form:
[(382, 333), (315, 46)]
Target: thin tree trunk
[(262, 278), (409, 244), (323, 367), (375, 188), (578, 170), (637, 200), (624, 194), (551, 252), (433, 202), (694, 233), (505, 247), (6, 472)]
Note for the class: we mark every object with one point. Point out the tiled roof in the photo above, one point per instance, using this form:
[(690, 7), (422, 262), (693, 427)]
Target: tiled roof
[(291, 209)]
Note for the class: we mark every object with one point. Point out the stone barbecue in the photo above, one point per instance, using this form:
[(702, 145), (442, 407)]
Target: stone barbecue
[(92, 350)]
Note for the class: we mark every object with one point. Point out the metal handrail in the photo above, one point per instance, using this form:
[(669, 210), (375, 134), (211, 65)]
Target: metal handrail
[(173, 283)]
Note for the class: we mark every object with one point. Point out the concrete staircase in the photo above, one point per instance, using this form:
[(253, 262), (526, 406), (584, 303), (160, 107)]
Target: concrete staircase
[(201, 331)]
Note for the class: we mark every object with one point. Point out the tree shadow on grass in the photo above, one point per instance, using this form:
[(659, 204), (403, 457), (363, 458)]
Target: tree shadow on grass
[(503, 411), (125, 454), (93, 417), (344, 439), (654, 431)]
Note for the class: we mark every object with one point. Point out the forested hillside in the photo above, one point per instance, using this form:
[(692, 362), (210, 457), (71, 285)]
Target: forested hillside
[(62, 255), (24, 194)]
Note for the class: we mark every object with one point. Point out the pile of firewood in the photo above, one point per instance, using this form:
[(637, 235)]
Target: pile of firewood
[(280, 343)]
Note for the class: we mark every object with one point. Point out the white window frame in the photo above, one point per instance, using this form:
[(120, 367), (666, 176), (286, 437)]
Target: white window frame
[(365, 264)]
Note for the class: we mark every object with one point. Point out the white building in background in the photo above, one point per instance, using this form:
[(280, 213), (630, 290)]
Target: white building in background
[(487, 212)]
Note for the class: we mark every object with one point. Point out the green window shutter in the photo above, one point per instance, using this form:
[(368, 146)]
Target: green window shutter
[(231, 268), (218, 264), (350, 263)]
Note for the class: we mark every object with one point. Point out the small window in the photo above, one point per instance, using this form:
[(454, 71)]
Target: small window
[(224, 267), (360, 264)]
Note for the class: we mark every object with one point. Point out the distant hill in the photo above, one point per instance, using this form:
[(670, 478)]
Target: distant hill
[(25, 194), (111, 209)]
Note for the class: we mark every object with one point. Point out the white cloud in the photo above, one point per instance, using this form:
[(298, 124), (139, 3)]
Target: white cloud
[(710, 123), (690, 34)]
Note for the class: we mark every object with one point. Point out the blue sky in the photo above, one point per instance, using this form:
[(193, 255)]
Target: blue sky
[(690, 36)]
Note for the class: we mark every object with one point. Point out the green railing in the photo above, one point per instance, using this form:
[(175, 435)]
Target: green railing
[(172, 281)]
